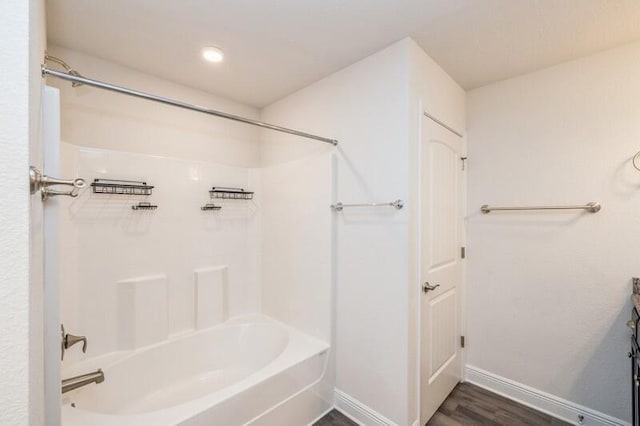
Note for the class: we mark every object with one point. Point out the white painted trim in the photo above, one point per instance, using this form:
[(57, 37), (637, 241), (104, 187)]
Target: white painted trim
[(464, 284), (539, 400), (418, 256), (359, 412), (51, 253)]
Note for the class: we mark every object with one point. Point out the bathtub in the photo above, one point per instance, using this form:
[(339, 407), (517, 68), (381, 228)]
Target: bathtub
[(230, 374)]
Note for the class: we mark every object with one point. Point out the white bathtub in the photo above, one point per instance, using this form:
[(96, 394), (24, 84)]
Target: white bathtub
[(231, 374)]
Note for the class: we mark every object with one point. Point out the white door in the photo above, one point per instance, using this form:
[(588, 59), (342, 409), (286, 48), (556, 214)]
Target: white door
[(440, 267)]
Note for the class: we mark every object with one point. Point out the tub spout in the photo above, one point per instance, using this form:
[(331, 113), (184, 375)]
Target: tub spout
[(82, 380)]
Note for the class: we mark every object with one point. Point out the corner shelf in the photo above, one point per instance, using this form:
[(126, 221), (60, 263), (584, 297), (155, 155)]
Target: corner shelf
[(122, 187), (230, 193)]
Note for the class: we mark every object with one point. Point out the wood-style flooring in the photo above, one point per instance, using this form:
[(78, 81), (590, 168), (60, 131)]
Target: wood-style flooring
[(335, 418), (469, 405)]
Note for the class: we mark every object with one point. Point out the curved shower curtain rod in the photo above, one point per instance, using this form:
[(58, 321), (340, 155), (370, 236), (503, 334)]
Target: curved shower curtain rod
[(76, 79)]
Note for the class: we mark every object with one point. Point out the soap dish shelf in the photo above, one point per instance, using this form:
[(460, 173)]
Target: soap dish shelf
[(143, 205), (226, 193), (208, 207)]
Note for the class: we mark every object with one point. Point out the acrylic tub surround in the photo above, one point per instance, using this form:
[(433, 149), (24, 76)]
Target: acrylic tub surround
[(174, 325), (229, 374)]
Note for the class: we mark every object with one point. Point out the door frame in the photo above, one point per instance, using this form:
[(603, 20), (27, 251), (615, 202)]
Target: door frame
[(415, 230)]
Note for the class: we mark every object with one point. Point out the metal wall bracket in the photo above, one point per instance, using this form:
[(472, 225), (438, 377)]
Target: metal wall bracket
[(42, 183)]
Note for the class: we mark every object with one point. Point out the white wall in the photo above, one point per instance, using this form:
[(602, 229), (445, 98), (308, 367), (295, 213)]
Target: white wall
[(14, 235), (21, 340), (100, 119), (364, 106), (296, 242), (549, 292)]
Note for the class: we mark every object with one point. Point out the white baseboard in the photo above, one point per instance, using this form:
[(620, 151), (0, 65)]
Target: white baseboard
[(359, 412), (539, 400)]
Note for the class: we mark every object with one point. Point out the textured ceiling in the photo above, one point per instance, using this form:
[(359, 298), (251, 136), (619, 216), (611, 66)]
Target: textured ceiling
[(490, 40), (274, 48)]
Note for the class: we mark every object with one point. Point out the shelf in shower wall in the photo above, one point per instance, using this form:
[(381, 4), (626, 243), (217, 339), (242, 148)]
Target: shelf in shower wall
[(121, 187), (230, 193), (208, 207)]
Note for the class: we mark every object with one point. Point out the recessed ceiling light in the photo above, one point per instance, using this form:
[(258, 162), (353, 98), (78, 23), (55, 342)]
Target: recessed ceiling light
[(212, 54)]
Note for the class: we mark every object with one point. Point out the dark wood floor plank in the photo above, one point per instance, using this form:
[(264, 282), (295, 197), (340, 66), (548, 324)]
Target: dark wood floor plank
[(335, 418), (440, 419), (474, 415), (470, 405)]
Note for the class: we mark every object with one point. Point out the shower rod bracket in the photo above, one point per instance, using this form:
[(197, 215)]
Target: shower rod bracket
[(77, 79), (63, 64)]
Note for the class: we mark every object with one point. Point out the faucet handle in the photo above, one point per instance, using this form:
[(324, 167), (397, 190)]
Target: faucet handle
[(69, 340)]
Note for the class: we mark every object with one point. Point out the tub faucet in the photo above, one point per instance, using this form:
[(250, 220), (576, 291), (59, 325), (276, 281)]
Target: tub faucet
[(69, 340), (82, 380)]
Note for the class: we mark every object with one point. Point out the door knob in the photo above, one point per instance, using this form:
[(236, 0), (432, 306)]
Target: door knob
[(426, 287)]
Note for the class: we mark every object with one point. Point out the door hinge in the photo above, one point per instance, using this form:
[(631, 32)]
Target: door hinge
[(463, 252), (464, 161), (462, 341)]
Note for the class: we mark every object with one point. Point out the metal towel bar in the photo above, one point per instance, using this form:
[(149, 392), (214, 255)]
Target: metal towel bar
[(397, 204), (592, 207)]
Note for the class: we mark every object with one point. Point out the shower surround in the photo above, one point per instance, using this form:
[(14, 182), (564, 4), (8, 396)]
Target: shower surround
[(155, 289)]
